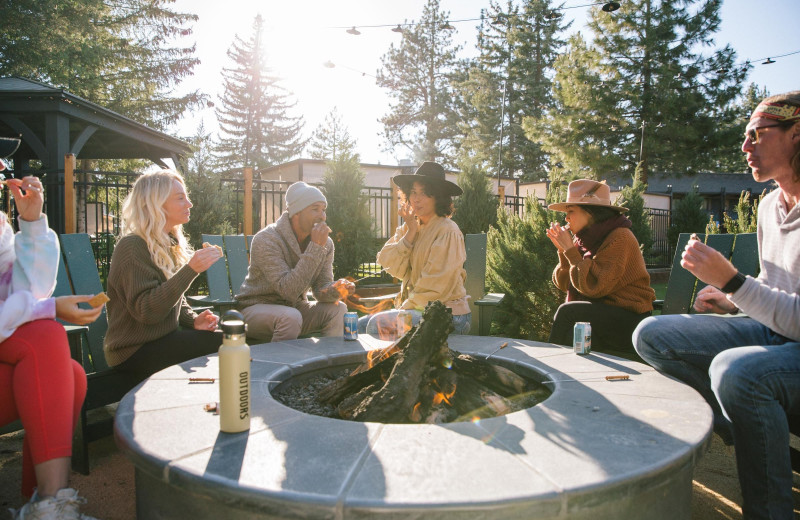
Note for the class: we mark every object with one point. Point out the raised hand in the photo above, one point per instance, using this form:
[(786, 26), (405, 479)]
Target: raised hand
[(204, 258), (27, 193)]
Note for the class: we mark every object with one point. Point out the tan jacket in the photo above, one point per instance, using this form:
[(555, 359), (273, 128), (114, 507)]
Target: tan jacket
[(432, 268)]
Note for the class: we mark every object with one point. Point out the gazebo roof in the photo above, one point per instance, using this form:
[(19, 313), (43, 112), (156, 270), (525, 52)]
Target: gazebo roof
[(52, 122)]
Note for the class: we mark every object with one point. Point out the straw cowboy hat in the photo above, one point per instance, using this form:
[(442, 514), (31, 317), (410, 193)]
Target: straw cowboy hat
[(430, 173), (586, 192)]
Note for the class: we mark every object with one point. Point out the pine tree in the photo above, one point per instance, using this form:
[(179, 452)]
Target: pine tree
[(352, 227), (519, 262), (642, 92), (121, 54), (476, 208), (509, 82), (331, 139), (422, 119), (255, 126)]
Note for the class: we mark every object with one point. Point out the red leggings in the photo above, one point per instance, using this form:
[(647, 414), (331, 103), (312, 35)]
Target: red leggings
[(42, 386)]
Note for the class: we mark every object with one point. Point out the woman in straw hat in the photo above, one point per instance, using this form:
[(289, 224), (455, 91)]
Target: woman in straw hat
[(40, 384), (600, 267), (426, 252)]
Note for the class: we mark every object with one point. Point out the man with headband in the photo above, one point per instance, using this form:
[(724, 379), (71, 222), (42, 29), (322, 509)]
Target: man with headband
[(748, 368)]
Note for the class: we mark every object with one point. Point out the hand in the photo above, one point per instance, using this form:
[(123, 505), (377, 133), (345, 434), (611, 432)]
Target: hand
[(29, 203), (559, 236), (344, 287), (319, 233), (711, 299), (707, 264), (406, 212), (206, 320), (204, 258), (67, 309)]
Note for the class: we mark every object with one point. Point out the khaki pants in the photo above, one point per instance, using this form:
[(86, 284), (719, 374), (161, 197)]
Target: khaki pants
[(270, 322)]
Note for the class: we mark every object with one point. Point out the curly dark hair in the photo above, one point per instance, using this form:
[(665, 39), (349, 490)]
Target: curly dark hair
[(444, 202)]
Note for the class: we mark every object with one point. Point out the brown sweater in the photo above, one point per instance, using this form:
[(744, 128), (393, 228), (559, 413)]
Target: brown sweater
[(615, 276), (144, 305)]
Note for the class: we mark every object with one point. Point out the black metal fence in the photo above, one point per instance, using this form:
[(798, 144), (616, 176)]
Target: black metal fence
[(100, 195), (660, 254)]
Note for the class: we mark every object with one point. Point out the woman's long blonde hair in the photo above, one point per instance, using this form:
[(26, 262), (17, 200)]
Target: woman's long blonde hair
[(143, 215)]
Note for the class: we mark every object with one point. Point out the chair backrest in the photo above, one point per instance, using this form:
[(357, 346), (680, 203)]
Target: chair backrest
[(236, 251), (745, 254), (80, 262), (475, 265), (219, 288), (682, 288), (63, 286)]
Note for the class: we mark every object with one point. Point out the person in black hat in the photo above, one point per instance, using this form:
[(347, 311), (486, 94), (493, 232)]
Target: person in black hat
[(426, 252), (40, 384)]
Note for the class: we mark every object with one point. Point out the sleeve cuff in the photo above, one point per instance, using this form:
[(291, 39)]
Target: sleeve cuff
[(44, 309)]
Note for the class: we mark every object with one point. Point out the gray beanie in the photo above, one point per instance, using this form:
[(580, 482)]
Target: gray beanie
[(300, 195)]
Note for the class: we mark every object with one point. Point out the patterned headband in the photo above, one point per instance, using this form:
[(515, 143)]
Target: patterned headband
[(777, 111)]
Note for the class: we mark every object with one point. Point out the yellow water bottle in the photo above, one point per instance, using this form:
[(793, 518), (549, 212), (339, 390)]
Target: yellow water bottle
[(234, 375)]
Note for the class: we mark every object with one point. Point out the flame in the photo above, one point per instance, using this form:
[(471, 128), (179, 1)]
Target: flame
[(443, 396), (415, 414)]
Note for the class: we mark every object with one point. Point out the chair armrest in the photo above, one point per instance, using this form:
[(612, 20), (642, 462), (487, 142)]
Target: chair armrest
[(491, 299), (658, 305)]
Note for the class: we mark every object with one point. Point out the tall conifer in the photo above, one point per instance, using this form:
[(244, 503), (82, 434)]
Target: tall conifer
[(422, 119), (255, 126), (644, 90)]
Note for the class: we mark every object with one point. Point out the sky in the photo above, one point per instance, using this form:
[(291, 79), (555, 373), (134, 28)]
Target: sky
[(302, 35)]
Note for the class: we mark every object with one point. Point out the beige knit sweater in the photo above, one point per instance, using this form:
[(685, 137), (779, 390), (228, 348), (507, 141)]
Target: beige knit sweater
[(616, 275), (432, 268), (144, 305)]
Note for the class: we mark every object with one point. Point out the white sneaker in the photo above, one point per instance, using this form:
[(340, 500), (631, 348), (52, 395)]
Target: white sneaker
[(63, 506)]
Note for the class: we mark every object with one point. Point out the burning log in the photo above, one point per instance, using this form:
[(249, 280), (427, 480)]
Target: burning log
[(420, 379)]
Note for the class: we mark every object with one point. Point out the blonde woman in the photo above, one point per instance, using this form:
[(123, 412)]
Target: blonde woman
[(150, 325)]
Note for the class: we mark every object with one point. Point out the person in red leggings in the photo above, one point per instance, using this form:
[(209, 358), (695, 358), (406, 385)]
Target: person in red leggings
[(39, 383)]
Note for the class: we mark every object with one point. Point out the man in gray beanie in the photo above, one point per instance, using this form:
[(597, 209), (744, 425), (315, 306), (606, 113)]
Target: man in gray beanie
[(287, 259)]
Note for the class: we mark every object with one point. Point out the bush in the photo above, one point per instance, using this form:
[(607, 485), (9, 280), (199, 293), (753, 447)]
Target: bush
[(520, 263), (632, 199), (476, 208), (351, 225), (688, 216)]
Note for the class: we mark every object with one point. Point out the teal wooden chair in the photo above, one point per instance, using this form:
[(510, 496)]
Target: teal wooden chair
[(219, 286), (105, 385), (238, 262)]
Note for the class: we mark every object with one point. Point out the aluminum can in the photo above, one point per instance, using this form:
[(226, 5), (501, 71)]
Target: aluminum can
[(350, 326), (582, 338), (404, 322)]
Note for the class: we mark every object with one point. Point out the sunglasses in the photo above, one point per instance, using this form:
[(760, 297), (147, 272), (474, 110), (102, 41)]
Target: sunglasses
[(753, 133)]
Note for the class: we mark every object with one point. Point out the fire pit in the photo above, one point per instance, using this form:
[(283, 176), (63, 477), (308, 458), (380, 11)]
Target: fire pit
[(596, 448)]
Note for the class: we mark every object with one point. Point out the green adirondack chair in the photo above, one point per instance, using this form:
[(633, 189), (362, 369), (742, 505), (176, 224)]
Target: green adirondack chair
[(105, 384)]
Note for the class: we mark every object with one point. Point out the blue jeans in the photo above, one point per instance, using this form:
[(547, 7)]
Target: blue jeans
[(751, 378), (383, 324)]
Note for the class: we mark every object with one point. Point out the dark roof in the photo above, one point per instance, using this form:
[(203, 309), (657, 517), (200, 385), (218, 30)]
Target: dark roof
[(707, 183), (28, 108)]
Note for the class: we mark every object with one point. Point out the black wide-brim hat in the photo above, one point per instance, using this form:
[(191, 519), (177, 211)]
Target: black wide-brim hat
[(429, 173), (8, 145)]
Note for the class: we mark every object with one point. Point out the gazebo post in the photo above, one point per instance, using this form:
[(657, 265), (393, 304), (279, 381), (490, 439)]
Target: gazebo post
[(69, 193)]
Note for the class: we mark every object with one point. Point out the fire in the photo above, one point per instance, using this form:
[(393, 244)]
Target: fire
[(444, 395)]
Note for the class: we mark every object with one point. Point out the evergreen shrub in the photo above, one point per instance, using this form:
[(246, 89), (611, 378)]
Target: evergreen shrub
[(520, 263), (476, 208), (352, 228)]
